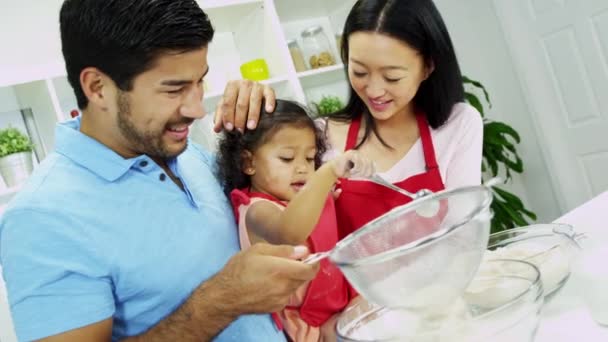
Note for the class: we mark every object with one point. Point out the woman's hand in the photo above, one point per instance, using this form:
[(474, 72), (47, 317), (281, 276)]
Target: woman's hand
[(241, 104)]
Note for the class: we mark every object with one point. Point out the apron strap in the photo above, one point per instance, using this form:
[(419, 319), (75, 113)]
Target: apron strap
[(427, 142)]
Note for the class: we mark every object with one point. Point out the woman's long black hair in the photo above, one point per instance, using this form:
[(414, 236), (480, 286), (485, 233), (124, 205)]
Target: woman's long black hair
[(233, 144), (418, 24)]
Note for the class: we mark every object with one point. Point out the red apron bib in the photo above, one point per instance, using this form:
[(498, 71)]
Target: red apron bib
[(327, 293), (362, 201)]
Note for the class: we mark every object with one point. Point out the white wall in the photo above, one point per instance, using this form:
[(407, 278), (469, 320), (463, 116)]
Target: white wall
[(483, 55), (29, 37)]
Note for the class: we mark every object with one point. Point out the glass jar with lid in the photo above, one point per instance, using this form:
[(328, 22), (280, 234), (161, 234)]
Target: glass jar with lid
[(296, 55), (317, 49)]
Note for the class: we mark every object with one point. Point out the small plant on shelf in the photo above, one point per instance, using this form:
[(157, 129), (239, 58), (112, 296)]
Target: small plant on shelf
[(13, 141), (15, 156), (328, 104)]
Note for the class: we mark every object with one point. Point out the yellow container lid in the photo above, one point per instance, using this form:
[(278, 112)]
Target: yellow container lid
[(255, 70)]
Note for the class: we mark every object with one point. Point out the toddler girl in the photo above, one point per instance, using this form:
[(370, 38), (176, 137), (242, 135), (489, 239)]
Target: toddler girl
[(279, 198)]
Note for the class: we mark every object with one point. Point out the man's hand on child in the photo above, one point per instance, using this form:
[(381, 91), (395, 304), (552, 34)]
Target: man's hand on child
[(239, 107)]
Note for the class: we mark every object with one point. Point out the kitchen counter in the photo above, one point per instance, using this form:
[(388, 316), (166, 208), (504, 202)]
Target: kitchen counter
[(566, 318)]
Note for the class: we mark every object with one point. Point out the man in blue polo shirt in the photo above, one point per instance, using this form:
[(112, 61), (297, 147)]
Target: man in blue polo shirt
[(123, 232)]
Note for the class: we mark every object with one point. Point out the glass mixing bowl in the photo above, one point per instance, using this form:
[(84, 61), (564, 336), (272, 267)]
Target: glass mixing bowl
[(502, 304), (550, 247)]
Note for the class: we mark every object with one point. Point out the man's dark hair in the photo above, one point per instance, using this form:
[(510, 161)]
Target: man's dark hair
[(123, 38)]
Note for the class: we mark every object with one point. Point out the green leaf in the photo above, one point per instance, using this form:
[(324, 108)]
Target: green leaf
[(529, 214), (13, 141), (517, 165), (496, 140), (474, 101), (329, 105), (492, 161), (501, 128), (516, 218), (509, 211), (478, 85), (509, 198), (501, 220)]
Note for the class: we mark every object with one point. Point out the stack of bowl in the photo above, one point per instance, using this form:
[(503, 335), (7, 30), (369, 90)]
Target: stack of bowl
[(502, 304)]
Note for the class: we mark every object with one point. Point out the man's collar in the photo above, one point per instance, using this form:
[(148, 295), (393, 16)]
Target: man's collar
[(90, 153)]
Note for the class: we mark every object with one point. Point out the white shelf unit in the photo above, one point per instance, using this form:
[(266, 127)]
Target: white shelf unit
[(296, 16), (247, 30)]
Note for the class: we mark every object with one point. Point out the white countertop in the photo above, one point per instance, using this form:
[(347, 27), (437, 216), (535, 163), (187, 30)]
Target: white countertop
[(566, 318)]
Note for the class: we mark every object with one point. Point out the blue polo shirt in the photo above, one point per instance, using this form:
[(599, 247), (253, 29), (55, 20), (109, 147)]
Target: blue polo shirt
[(93, 235)]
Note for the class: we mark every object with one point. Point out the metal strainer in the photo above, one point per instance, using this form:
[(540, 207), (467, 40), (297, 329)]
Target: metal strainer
[(408, 261)]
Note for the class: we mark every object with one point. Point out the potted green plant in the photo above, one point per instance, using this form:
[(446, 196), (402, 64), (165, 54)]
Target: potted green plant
[(15, 156), (500, 157), (328, 104)]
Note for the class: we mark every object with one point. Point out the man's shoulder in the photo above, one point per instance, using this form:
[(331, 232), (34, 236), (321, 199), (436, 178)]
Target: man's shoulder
[(42, 208), (52, 184)]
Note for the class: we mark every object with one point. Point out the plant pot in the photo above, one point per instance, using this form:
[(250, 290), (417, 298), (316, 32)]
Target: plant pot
[(16, 168)]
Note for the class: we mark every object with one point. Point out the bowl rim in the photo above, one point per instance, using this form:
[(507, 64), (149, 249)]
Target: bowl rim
[(536, 230), (535, 283), (540, 230), (482, 210)]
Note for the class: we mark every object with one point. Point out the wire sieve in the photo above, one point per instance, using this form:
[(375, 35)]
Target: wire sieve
[(408, 261)]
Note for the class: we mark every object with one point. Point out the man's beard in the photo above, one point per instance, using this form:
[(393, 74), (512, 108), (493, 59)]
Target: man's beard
[(149, 143)]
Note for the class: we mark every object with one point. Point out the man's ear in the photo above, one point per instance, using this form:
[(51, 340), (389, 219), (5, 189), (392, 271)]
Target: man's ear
[(248, 163), (97, 87)]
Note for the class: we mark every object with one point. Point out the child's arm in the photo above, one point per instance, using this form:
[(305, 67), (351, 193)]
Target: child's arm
[(294, 224)]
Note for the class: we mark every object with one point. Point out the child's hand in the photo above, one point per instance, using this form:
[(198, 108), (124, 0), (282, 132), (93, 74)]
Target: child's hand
[(352, 163)]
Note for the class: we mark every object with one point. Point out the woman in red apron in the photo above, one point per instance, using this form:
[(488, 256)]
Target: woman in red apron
[(406, 110)]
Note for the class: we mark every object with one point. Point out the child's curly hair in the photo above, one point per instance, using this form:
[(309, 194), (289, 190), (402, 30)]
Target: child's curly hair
[(233, 144)]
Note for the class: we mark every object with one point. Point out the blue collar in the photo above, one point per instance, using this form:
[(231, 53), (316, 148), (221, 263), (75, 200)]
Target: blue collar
[(90, 153)]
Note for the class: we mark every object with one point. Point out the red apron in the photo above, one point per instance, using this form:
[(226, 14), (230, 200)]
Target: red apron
[(361, 201), (327, 293)]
